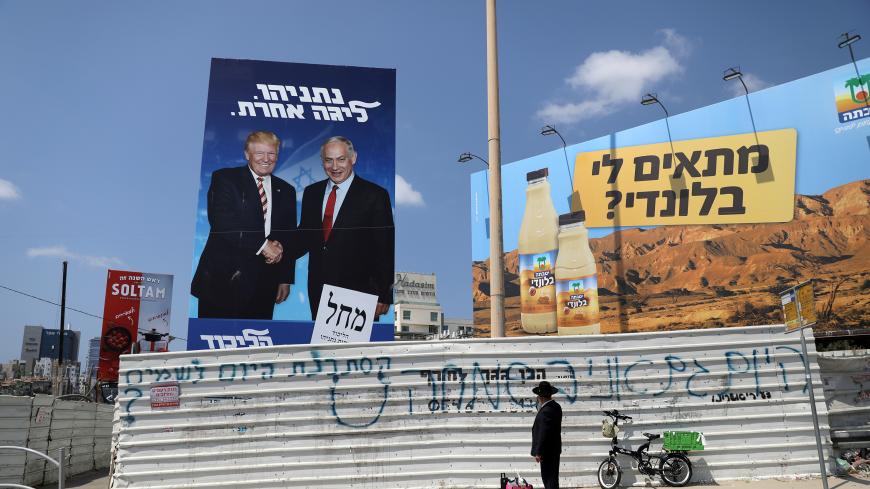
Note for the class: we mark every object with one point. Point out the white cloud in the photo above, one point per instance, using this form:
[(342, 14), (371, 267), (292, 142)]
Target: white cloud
[(406, 195), (677, 44), (63, 252), (610, 79), (8, 190), (753, 83)]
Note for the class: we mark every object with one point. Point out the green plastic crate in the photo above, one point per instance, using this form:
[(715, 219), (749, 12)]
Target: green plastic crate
[(683, 440)]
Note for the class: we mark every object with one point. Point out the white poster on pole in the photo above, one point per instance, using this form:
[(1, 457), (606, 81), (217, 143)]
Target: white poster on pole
[(344, 316)]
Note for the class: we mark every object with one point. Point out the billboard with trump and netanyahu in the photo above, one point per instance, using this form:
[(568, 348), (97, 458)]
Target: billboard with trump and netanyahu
[(295, 206)]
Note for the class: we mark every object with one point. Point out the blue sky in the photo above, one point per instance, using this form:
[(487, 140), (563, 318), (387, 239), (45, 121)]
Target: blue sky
[(104, 105)]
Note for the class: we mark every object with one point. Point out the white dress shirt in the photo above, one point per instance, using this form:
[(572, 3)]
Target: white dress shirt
[(339, 196), (267, 186)]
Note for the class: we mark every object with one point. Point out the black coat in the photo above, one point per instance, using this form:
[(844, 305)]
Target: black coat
[(547, 430), (360, 252), (229, 268)]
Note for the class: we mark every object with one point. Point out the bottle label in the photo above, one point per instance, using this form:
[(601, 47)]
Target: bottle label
[(538, 282), (577, 301)]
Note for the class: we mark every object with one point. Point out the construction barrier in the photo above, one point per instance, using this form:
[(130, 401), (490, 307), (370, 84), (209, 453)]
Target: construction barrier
[(846, 378), (459, 413), (45, 424)]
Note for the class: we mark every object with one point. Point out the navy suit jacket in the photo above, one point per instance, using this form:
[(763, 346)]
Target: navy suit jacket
[(359, 254), (229, 268)]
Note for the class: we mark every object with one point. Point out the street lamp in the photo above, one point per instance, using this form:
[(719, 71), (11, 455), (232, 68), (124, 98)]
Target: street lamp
[(466, 157), (549, 130), (732, 74), (650, 99), (847, 41)]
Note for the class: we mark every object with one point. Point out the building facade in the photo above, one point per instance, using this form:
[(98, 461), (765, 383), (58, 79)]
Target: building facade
[(418, 312), (38, 343), (93, 360), (30, 344), (419, 315)]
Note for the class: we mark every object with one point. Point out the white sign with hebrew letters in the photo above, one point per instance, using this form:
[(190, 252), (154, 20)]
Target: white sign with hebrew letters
[(344, 316)]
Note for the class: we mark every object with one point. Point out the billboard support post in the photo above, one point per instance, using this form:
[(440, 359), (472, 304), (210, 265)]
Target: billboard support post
[(809, 380), (496, 247), (793, 302)]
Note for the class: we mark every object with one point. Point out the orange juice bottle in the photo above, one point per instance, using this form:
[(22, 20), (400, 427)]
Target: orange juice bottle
[(537, 256), (576, 278)]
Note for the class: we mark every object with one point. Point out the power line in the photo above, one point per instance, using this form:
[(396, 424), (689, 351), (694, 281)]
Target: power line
[(58, 305), (48, 301)]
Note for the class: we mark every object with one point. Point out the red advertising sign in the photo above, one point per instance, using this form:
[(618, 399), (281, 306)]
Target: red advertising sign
[(135, 317)]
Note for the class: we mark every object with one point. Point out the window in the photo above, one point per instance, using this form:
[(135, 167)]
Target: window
[(433, 316), (433, 329), (405, 329), (445, 329), (406, 315)]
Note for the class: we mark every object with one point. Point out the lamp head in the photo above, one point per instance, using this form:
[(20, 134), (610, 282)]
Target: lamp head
[(464, 158), (548, 130), (848, 39), (731, 74), (648, 99)]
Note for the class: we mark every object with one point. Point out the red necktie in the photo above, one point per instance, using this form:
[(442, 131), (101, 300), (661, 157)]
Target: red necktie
[(263, 201), (327, 214)]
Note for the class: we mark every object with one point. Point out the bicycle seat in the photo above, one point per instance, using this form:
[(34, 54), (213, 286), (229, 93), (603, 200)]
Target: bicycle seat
[(651, 436)]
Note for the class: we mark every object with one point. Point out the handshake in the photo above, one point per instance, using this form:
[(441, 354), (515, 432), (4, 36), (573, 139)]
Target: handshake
[(273, 251)]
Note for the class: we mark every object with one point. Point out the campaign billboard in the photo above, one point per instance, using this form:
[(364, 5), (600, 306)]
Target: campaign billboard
[(136, 317), (698, 220), (297, 193)]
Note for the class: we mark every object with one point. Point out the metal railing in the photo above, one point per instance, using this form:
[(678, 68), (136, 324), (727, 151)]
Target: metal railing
[(59, 465)]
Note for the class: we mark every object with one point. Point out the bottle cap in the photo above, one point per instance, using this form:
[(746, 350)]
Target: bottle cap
[(534, 175), (572, 218)]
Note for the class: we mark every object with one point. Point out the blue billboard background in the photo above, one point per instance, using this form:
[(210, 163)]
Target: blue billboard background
[(217, 334), (303, 104), (655, 277)]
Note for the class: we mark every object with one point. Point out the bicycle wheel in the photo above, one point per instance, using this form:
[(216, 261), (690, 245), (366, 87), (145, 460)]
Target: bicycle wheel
[(609, 474), (676, 469)]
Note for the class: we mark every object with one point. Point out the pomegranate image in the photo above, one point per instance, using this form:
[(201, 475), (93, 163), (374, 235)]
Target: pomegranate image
[(532, 291)]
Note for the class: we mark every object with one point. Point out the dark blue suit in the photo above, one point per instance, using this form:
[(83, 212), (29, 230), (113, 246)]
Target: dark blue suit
[(359, 254), (231, 280)]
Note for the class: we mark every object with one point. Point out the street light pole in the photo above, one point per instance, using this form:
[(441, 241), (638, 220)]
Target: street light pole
[(734, 73), (650, 99), (847, 41), (496, 246), (549, 130)]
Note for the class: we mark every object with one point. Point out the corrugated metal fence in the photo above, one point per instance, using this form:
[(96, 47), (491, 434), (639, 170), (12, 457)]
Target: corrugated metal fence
[(458, 413), (45, 424), (846, 377)]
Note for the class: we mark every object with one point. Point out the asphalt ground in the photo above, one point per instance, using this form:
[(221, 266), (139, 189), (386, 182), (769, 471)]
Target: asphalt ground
[(99, 479)]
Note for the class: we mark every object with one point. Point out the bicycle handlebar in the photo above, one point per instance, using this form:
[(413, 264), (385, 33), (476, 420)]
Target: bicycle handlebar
[(615, 415)]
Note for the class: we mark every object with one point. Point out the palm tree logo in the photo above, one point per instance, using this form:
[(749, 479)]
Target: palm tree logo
[(861, 83), (576, 287), (542, 262)]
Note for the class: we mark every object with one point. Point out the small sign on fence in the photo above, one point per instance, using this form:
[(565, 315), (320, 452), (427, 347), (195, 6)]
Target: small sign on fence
[(165, 396), (798, 307)]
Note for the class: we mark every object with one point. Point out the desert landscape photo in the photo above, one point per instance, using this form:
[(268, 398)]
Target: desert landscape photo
[(681, 277)]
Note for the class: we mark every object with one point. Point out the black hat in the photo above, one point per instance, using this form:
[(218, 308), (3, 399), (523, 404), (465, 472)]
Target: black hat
[(544, 389)]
